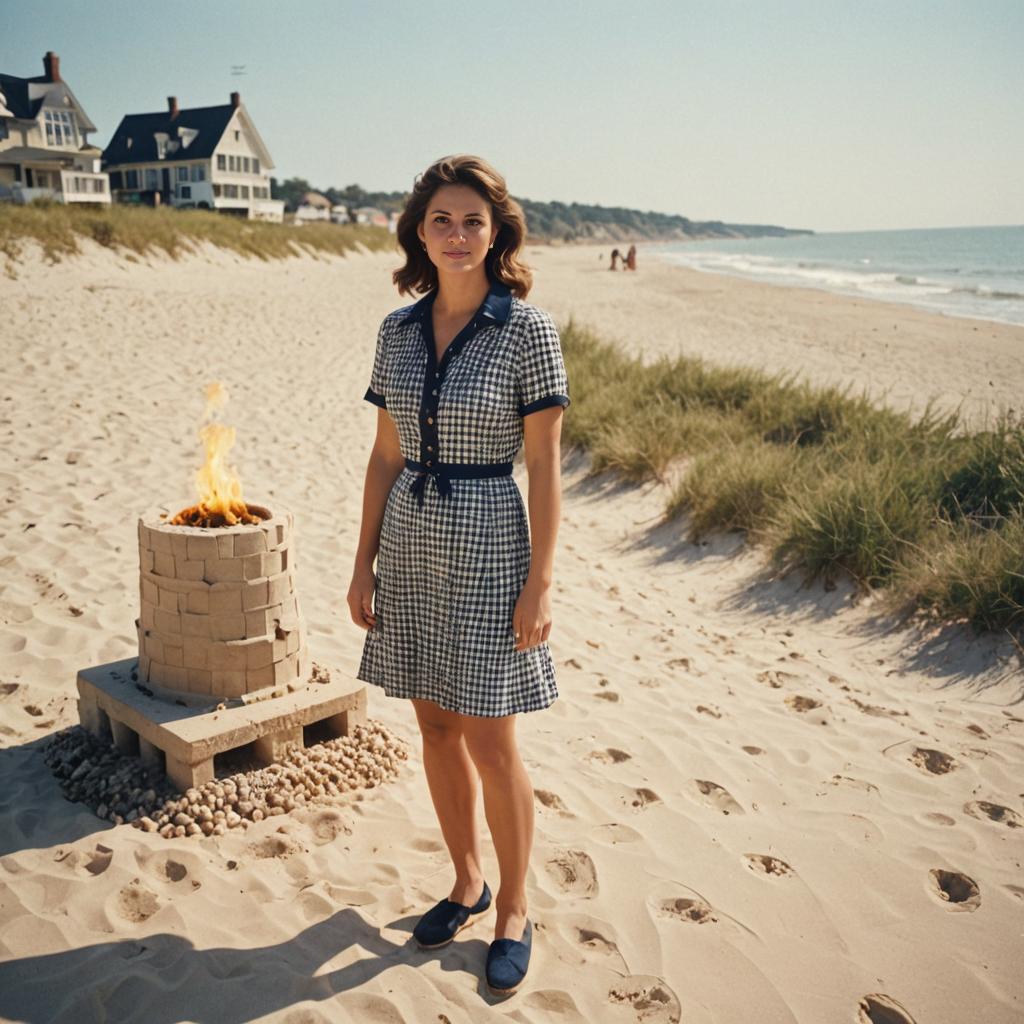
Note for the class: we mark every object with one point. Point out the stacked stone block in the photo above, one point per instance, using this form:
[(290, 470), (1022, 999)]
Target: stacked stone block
[(219, 612)]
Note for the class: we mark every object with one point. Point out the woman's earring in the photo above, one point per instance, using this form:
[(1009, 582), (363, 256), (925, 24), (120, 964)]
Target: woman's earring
[(424, 244)]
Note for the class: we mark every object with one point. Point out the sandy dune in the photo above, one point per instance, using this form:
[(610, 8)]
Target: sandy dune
[(756, 803)]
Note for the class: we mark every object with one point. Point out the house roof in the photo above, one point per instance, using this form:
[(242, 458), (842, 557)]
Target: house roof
[(31, 154), (26, 96), (208, 123)]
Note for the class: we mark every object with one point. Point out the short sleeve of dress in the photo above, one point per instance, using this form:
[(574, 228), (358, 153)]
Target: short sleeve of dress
[(377, 390), (541, 379)]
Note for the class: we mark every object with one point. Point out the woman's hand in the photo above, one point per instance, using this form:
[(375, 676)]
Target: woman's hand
[(360, 597), (531, 618)]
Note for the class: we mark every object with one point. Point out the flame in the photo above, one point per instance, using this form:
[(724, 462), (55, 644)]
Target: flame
[(219, 488)]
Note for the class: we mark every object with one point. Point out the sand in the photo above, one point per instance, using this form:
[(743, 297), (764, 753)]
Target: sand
[(754, 800)]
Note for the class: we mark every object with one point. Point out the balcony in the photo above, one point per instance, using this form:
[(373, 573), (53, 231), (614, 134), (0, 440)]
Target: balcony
[(84, 187)]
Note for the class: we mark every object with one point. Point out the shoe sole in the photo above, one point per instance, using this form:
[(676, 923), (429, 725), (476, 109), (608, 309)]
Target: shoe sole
[(504, 991), (462, 927)]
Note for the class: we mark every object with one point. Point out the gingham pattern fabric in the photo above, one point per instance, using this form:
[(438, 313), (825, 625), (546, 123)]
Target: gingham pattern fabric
[(448, 574)]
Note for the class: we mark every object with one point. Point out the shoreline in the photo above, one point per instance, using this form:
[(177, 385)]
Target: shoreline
[(898, 353)]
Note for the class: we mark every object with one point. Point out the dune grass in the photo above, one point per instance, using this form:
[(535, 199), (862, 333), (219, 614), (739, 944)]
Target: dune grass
[(58, 228), (830, 483)]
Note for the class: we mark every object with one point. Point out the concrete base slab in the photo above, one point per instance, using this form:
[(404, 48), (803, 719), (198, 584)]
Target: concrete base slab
[(113, 707)]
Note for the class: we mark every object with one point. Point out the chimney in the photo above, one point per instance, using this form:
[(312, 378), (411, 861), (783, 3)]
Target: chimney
[(51, 66), (172, 107), (236, 100)]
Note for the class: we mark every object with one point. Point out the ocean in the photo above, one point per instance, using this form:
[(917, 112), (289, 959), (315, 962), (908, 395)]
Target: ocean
[(967, 272)]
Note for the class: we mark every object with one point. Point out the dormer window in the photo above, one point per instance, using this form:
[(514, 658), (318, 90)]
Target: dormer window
[(60, 128)]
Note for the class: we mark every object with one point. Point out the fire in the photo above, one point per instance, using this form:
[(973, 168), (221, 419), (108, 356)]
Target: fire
[(220, 490)]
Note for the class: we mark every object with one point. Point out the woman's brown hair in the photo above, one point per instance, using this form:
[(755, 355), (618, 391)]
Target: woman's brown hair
[(502, 262)]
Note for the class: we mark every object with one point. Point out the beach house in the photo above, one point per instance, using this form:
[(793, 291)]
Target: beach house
[(198, 158), (44, 149)]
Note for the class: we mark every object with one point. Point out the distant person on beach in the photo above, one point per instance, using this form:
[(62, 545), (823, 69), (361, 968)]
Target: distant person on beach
[(615, 259), (458, 609), (630, 262)]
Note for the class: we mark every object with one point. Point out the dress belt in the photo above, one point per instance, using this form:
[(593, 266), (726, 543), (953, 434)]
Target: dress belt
[(443, 472)]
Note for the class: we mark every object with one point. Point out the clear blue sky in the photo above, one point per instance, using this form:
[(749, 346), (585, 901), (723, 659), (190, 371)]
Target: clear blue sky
[(827, 115)]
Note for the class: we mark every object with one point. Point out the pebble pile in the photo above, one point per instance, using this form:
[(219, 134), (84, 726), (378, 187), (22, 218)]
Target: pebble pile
[(122, 789)]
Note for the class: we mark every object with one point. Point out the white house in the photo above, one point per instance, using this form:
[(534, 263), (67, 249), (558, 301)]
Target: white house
[(371, 215), (203, 158), (312, 207), (339, 214), (44, 149)]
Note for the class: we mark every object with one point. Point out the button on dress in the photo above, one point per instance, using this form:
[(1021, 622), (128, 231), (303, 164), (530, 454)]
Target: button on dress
[(454, 548)]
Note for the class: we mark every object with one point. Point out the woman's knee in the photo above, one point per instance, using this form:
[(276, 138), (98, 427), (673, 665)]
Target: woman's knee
[(437, 726), (492, 748)]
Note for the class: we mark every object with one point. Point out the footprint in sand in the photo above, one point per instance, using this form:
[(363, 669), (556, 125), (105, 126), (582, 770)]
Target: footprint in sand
[(609, 695), (326, 827), (934, 761), (553, 802), (753, 751), (774, 677), (136, 903), (1015, 890), (595, 940), (882, 1009), (650, 997), (983, 810), (718, 797), (801, 704), (644, 797), (765, 864), (956, 889), (427, 845), (649, 683), (978, 731), (939, 819), (712, 711), (876, 709), (610, 755), (695, 911), (574, 872), (276, 845)]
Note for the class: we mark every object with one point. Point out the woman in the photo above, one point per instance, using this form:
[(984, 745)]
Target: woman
[(458, 612)]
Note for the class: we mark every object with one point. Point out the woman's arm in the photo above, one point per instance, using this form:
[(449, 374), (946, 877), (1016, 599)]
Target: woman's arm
[(382, 469), (542, 431)]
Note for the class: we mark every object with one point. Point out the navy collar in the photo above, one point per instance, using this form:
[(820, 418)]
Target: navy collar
[(496, 305)]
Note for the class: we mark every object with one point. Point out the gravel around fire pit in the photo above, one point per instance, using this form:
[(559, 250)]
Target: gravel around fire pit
[(122, 789)]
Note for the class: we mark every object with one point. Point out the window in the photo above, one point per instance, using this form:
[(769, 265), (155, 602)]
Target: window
[(131, 179), (99, 185), (232, 163), (230, 191), (245, 164), (216, 190), (255, 166), (185, 191), (238, 135), (60, 128), (182, 174), (152, 178), (221, 162), (198, 172), (245, 191)]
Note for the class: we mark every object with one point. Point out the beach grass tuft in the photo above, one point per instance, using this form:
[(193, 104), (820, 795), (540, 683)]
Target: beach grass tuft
[(144, 230), (829, 482)]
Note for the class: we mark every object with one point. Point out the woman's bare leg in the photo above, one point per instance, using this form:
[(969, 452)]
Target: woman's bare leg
[(452, 780), (508, 805)]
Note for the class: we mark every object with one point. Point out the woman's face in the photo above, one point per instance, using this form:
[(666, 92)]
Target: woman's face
[(457, 230)]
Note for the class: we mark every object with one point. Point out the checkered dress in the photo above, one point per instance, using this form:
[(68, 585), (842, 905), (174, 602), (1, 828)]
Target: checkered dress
[(455, 552)]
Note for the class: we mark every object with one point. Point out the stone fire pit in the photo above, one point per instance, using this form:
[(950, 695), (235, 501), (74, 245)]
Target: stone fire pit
[(223, 659)]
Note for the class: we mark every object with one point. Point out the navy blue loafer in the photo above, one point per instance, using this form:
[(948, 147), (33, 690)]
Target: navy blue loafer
[(508, 961), (442, 922)]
